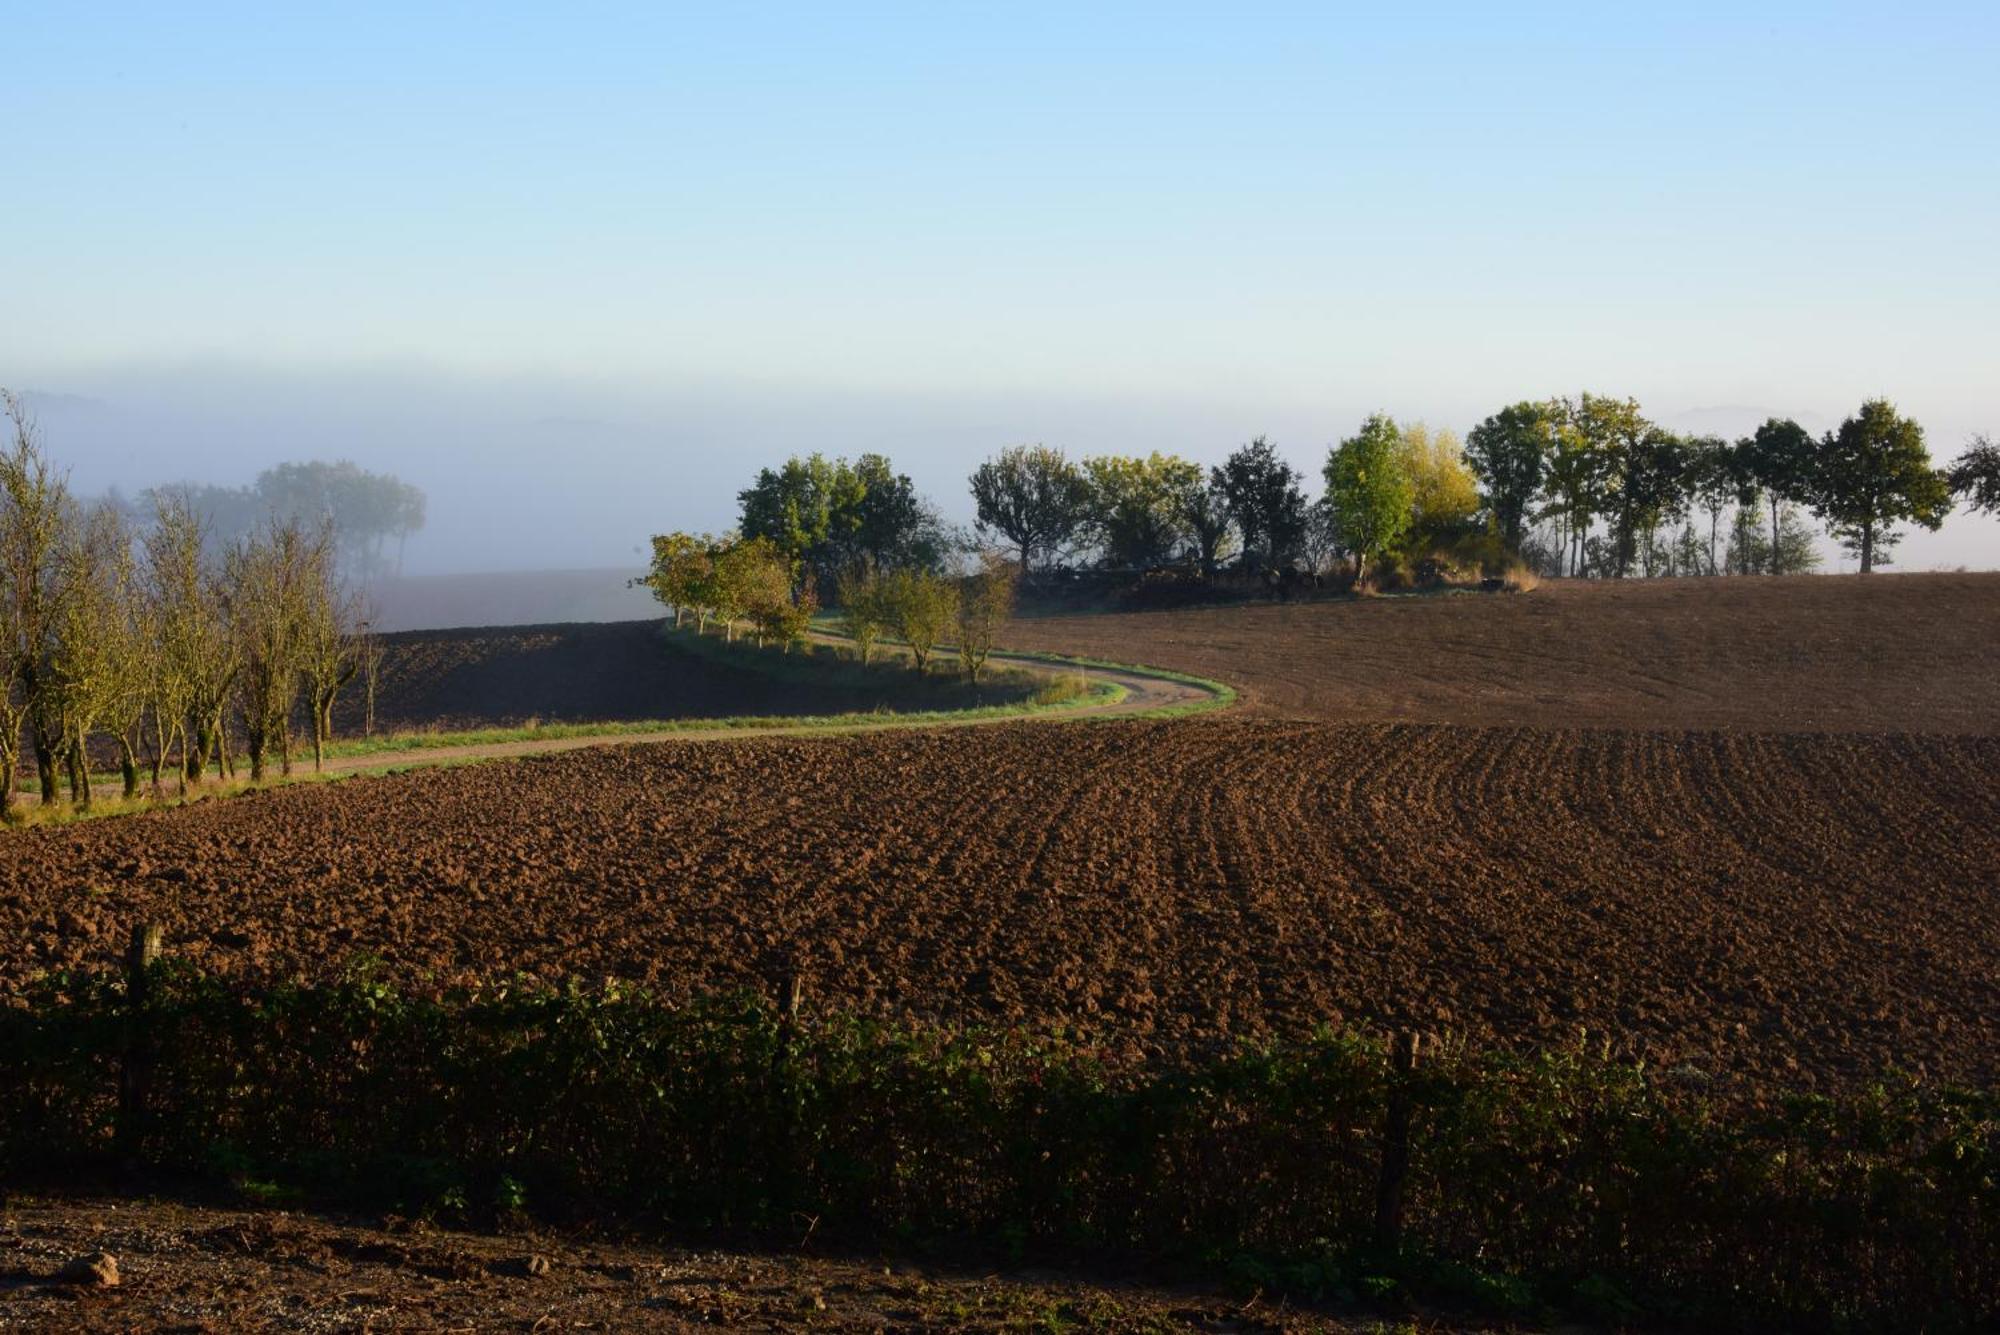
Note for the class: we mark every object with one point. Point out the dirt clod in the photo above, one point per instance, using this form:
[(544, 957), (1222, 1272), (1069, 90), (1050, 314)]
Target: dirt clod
[(97, 1270)]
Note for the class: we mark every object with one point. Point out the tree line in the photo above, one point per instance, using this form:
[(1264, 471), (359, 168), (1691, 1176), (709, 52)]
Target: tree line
[(857, 530), (151, 636), (1583, 486), (366, 511)]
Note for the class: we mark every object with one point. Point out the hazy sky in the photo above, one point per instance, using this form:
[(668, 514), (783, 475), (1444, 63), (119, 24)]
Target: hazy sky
[(579, 269)]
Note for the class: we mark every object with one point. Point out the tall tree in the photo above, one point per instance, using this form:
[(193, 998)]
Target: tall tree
[(1035, 498), (1369, 491), (809, 510), (1265, 501), (1508, 453), (1611, 430), (1444, 493), (1203, 507), (893, 525), (1711, 484), (36, 517), (1652, 491), (1872, 474), (1135, 512), (1781, 457)]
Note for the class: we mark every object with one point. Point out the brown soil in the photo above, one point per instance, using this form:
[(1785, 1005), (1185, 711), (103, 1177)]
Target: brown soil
[(193, 1268), (507, 675), (1832, 653), (1790, 907)]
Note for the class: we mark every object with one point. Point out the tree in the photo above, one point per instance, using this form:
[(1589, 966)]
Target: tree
[(1711, 484), (1444, 494), (1580, 463), (1739, 466), (199, 653), (86, 667), (36, 517), (1035, 498), (894, 526), (1976, 475), (777, 610), (1612, 431), (364, 509), (680, 571), (985, 602), (330, 645), (1369, 491), (1203, 507), (809, 510), (1872, 474), (863, 609), (1652, 490), (1265, 501), (923, 607), (1136, 516), (744, 570), (1780, 457), (1508, 453), (268, 575)]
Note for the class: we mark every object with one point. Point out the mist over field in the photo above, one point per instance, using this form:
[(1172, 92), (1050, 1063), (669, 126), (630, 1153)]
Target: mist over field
[(528, 473)]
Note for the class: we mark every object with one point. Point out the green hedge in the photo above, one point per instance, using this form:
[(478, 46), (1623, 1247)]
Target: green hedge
[(1554, 1181)]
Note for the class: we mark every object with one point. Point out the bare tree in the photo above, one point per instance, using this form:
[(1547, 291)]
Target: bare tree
[(35, 514), (267, 575), (199, 659), (330, 645)]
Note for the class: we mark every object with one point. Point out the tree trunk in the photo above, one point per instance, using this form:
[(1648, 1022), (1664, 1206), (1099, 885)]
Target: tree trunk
[(128, 767), (7, 797), (79, 775), (45, 769), (1772, 564), (256, 759), (1867, 547)]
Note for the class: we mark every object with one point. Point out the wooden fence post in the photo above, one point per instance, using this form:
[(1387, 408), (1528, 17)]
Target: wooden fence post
[(1403, 1052), (135, 1066)]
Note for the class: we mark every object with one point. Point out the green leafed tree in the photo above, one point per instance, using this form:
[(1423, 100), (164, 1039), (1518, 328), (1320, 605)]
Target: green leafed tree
[(1369, 491), (864, 611), (1975, 475), (1265, 501), (1136, 512), (1781, 457), (923, 607), (1508, 453), (1873, 474), (681, 567), (1036, 499)]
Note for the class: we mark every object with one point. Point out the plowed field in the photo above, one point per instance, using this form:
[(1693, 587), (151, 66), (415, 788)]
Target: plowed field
[(1847, 653), (507, 675), (1806, 908)]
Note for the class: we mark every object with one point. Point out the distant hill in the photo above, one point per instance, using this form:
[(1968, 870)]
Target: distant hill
[(519, 598)]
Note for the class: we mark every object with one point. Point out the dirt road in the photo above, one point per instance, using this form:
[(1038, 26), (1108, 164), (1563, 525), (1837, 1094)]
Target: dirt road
[(1144, 694)]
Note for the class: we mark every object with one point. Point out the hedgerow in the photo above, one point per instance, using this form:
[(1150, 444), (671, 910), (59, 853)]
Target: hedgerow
[(1537, 1183)]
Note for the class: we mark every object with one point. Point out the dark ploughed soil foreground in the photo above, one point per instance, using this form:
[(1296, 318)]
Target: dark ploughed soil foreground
[(1806, 910), (1833, 653), (189, 1268)]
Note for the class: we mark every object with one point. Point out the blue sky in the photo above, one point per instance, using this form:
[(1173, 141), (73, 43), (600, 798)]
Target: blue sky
[(670, 244)]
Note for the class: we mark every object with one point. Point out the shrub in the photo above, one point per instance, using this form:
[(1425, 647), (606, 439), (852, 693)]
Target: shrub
[(1552, 1179)]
